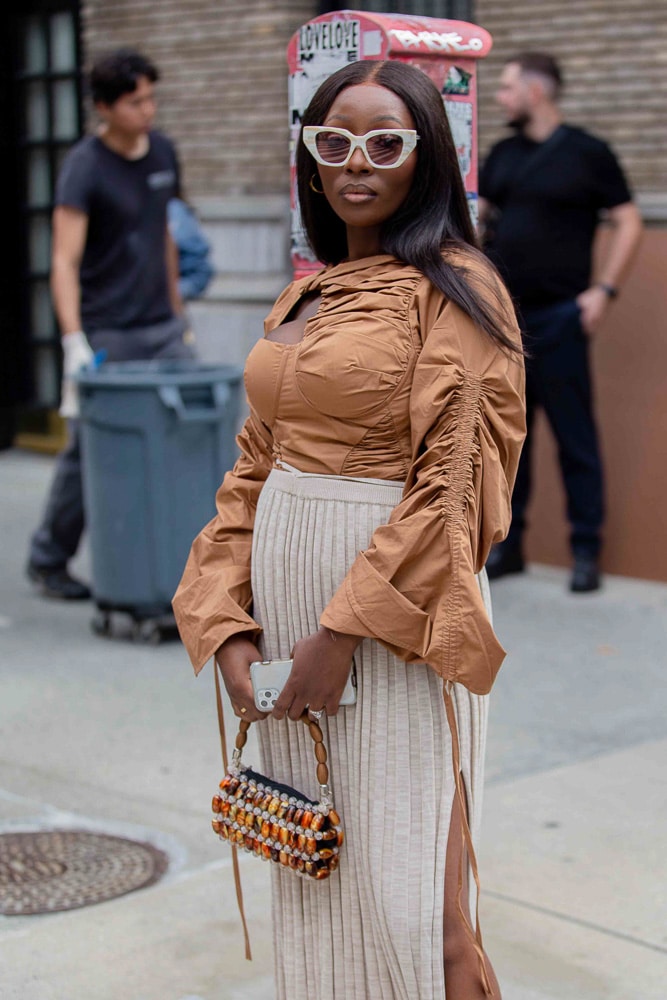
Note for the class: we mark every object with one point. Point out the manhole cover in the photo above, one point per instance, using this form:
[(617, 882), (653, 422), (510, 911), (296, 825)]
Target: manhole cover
[(55, 870)]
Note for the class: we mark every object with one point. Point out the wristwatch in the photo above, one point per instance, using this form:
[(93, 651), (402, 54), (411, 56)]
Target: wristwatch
[(611, 291)]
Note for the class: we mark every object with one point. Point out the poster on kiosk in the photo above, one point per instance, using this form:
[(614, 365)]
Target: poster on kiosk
[(447, 51)]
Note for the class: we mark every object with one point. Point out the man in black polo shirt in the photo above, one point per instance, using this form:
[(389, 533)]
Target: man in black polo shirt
[(543, 193), (114, 275)]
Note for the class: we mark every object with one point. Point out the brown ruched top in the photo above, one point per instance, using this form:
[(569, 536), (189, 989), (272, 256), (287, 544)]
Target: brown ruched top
[(390, 381)]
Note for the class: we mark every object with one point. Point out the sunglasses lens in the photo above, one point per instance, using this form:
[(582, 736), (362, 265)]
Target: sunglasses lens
[(332, 147), (385, 149)]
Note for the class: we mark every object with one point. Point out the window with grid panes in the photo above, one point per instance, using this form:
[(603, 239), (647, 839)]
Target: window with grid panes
[(48, 96)]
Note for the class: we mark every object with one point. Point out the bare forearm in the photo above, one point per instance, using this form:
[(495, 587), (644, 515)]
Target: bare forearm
[(618, 259), (66, 293), (622, 249)]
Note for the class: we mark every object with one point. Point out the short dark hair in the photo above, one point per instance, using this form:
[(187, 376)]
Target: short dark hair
[(117, 73), (543, 64), (434, 216)]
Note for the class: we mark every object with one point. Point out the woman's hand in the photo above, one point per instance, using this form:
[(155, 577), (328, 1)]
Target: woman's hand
[(234, 657), (322, 663)]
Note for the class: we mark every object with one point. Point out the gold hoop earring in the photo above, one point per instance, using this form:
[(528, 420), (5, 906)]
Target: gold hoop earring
[(311, 184)]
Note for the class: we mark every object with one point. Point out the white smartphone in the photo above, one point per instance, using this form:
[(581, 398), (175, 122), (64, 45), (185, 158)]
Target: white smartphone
[(268, 678)]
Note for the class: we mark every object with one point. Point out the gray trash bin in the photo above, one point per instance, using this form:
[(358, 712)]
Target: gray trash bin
[(157, 439)]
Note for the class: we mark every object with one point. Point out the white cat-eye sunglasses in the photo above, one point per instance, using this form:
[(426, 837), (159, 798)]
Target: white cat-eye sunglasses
[(383, 148)]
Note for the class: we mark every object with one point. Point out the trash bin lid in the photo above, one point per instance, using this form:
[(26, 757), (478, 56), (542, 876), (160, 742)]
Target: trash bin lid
[(147, 374)]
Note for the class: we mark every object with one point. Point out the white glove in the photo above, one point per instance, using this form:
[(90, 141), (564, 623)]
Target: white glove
[(77, 355)]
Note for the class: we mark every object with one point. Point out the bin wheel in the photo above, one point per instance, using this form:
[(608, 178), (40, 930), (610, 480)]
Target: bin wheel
[(101, 624), (148, 632)]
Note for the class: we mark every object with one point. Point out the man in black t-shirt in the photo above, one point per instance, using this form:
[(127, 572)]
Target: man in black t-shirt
[(543, 193), (114, 277)]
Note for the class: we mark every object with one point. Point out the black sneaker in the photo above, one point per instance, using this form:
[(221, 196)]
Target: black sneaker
[(503, 560), (585, 575), (57, 583)]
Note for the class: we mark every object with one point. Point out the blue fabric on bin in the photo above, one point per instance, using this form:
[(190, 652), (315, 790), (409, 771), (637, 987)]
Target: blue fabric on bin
[(194, 250)]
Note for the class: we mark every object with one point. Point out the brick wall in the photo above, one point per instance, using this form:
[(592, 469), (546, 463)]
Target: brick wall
[(614, 55), (223, 92)]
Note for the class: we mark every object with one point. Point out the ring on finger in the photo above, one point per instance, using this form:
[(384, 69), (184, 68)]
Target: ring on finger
[(316, 714)]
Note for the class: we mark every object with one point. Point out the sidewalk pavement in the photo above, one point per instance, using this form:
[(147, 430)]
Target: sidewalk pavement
[(118, 737)]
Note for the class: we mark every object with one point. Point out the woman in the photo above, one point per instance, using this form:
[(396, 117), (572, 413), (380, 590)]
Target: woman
[(386, 419)]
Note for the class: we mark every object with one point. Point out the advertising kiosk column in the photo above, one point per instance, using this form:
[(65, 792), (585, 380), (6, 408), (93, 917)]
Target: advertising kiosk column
[(447, 51)]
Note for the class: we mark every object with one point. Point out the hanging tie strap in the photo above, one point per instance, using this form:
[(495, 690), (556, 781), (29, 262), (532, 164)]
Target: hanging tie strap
[(243, 728), (466, 844)]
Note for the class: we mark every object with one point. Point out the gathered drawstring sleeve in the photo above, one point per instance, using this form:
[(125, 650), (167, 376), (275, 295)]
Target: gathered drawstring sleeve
[(214, 598), (414, 587)]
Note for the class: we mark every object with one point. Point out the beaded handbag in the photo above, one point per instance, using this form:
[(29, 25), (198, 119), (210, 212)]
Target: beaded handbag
[(273, 821)]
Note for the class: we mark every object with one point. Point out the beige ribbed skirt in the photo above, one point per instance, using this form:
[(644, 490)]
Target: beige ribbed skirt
[(374, 930)]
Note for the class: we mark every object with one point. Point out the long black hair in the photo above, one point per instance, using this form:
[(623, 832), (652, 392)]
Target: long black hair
[(434, 216)]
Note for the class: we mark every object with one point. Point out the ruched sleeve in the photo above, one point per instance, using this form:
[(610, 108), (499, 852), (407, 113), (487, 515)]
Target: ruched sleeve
[(214, 599), (414, 587)]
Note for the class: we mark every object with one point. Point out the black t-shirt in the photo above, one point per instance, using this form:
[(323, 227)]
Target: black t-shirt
[(123, 272), (542, 240)]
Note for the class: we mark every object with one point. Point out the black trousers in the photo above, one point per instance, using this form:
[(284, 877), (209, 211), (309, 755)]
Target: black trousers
[(558, 379), (57, 537)]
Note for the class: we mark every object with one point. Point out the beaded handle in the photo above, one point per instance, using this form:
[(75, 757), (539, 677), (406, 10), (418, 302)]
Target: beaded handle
[(320, 751)]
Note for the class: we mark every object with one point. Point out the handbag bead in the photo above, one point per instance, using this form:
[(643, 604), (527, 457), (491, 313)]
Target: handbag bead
[(317, 822)]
